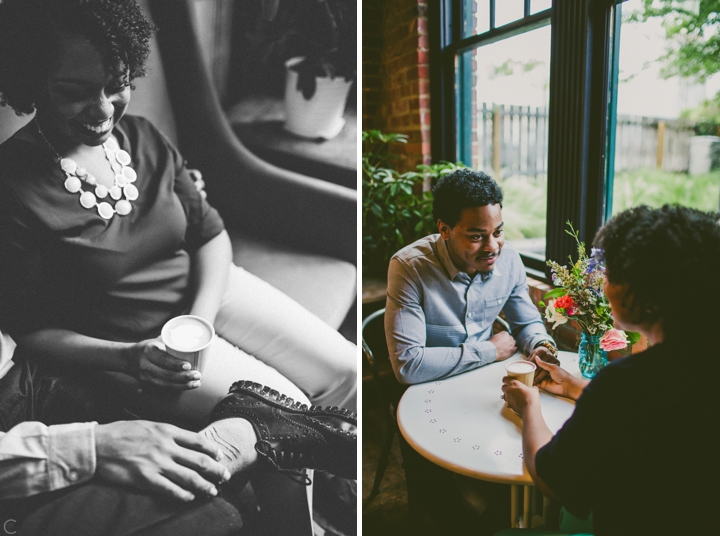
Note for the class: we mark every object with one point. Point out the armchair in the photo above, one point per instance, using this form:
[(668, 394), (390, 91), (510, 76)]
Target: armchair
[(296, 232)]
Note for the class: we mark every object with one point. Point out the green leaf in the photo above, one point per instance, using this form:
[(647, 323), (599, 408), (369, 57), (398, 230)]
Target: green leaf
[(541, 303), (633, 336), (555, 293)]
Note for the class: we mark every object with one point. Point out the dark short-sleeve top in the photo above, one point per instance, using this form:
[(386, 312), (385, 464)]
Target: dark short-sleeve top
[(641, 449), (64, 266)]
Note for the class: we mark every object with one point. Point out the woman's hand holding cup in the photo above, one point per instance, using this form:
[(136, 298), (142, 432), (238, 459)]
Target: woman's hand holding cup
[(559, 381), (518, 395), (152, 365)]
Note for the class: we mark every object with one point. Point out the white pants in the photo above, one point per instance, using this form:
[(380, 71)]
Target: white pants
[(266, 337), (267, 324)]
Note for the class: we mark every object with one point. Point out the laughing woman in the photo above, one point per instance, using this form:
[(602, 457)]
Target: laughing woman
[(640, 450), (104, 236)]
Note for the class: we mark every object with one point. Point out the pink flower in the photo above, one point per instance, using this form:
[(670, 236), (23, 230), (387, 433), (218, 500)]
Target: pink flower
[(613, 339)]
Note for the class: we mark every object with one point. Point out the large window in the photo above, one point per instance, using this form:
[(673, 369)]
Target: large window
[(499, 104), (579, 108), (664, 141), (503, 88)]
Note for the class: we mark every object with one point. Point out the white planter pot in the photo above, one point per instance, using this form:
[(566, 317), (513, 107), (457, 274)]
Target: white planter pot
[(322, 115)]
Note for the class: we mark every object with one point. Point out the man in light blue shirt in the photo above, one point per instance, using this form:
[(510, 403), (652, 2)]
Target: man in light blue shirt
[(445, 290)]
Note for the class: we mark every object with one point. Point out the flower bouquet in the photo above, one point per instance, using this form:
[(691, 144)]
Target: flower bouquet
[(579, 296)]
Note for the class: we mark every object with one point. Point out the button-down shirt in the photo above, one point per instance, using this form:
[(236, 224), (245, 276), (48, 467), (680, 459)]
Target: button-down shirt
[(35, 458), (438, 319)]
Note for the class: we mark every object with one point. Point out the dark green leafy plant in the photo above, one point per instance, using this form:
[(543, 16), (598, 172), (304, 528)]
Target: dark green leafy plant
[(395, 209), (434, 172), (324, 32)]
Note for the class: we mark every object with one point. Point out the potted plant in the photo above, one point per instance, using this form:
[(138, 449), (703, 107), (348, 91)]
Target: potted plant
[(395, 209), (317, 41)]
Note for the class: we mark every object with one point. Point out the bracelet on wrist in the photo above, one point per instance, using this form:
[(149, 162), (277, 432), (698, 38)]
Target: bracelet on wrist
[(550, 347)]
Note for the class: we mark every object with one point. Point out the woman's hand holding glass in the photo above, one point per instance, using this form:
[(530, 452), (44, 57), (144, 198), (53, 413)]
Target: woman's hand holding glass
[(150, 364)]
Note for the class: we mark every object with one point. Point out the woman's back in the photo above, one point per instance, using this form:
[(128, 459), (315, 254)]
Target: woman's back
[(639, 449)]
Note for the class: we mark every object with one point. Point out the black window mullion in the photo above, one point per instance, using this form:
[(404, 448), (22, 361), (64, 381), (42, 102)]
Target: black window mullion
[(464, 107), (506, 31), (442, 19), (577, 122), (601, 21)]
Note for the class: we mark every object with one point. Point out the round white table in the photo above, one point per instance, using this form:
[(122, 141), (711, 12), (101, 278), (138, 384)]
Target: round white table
[(463, 425)]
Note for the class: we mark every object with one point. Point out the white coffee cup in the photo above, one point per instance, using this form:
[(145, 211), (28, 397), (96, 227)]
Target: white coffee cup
[(523, 371), (188, 337)]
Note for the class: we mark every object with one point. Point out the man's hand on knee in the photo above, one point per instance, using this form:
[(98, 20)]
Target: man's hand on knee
[(504, 344), (158, 457)]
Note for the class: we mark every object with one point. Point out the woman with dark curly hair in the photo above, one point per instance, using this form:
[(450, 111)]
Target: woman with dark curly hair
[(640, 449), (104, 236)]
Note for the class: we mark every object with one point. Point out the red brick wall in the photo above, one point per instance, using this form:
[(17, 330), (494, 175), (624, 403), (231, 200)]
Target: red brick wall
[(396, 87), (372, 45)]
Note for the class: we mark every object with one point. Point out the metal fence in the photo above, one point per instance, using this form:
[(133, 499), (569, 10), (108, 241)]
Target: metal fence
[(512, 140)]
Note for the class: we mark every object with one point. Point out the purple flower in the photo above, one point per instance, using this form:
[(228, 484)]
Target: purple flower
[(595, 262)]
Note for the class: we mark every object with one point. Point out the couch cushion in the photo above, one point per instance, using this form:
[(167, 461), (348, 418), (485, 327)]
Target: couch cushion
[(323, 285)]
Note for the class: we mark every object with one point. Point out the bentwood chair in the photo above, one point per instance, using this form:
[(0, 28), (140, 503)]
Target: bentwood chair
[(389, 390)]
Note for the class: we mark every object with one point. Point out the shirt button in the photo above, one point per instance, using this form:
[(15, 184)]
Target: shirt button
[(499, 301), (73, 476), (469, 315)]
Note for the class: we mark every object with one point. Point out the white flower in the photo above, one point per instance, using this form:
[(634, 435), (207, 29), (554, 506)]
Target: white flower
[(552, 315)]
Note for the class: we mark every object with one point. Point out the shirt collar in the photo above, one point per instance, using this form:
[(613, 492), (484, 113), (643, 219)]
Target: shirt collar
[(445, 260), (486, 275), (450, 268)]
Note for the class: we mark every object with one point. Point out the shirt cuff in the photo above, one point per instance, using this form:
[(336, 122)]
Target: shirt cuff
[(486, 352), (71, 454)]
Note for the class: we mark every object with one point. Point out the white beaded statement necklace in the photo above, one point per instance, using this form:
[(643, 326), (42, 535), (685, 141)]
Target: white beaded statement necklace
[(77, 176)]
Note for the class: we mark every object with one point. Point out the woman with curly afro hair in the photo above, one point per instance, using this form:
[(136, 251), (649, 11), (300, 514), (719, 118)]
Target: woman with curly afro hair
[(639, 451), (104, 238)]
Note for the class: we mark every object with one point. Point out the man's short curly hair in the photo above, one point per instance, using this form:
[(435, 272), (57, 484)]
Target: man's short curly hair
[(669, 258), (30, 31), (463, 188)]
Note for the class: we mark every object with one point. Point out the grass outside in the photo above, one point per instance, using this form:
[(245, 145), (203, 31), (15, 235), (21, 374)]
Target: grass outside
[(524, 208)]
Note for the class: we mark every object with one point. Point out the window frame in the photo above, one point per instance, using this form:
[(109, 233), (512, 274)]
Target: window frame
[(582, 65)]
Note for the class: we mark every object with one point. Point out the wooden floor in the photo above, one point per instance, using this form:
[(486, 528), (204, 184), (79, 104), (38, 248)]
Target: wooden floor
[(387, 513)]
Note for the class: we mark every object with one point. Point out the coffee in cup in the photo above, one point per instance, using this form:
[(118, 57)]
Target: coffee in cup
[(188, 337), (523, 371)]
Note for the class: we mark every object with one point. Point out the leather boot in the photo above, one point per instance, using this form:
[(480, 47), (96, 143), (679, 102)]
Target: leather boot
[(292, 436)]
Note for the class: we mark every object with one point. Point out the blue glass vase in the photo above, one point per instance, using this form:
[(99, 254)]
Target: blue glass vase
[(591, 358)]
